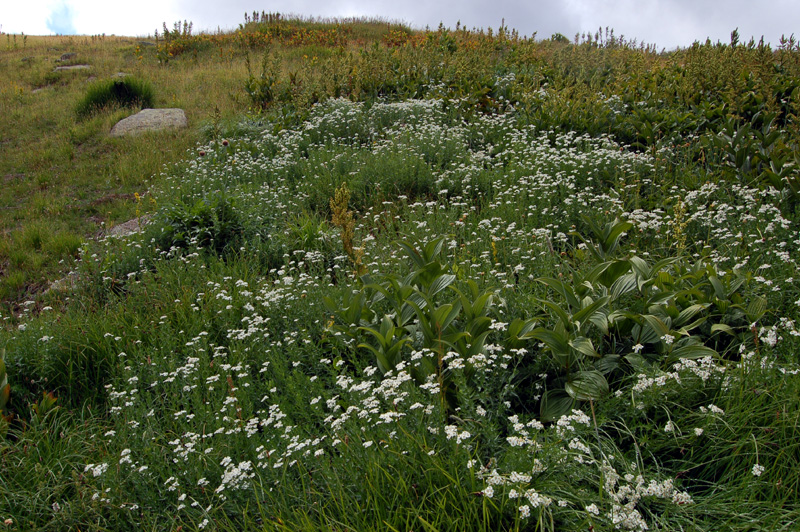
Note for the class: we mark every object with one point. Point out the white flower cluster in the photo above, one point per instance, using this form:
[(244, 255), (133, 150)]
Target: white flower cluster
[(451, 431), (235, 477), (626, 492)]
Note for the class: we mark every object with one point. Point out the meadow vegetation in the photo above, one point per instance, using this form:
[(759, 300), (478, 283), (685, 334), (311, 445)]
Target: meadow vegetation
[(412, 280)]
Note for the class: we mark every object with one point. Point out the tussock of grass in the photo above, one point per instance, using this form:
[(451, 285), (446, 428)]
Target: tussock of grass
[(127, 91)]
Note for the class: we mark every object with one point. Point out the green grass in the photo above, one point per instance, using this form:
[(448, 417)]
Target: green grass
[(124, 92)]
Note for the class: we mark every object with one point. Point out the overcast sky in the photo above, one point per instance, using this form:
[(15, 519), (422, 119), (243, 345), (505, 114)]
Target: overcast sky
[(666, 23)]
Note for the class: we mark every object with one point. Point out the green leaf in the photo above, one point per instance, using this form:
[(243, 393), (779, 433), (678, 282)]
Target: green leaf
[(637, 361), (476, 346), (330, 305), (735, 285), (429, 273), (387, 329), (663, 263), (383, 363), (5, 394), (478, 325), (595, 273), (382, 343), (691, 326), (584, 346), (562, 289), (613, 234), (658, 327), (433, 248), (600, 320), (614, 271), (482, 304), (756, 309), (479, 305), (560, 312), (640, 267), (689, 312), (664, 280), (623, 285), (441, 283), (556, 403), (406, 313), (607, 364), (413, 254), (659, 298), (590, 309), (556, 342), (643, 335), (719, 290), (721, 327), (424, 323), (517, 329), (691, 352), (587, 385), (445, 314)]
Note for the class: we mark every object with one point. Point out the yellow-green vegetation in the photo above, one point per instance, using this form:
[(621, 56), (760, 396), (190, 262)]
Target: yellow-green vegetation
[(63, 177), (442, 280), (60, 169)]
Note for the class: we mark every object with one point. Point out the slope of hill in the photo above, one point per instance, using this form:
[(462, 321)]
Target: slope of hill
[(397, 280)]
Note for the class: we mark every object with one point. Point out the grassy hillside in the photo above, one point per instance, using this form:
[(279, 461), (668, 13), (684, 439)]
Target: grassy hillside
[(64, 178), (396, 280)]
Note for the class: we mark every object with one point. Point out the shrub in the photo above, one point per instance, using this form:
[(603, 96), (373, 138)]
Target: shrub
[(123, 92)]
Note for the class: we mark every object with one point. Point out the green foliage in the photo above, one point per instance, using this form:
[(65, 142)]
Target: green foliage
[(441, 335), (127, 91), (262, 88), (211, 223), (44, 482), (620, 315)]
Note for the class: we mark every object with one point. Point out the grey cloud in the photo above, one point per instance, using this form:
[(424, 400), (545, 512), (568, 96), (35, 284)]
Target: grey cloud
[(540, 16), (667, 23), (671, 23)]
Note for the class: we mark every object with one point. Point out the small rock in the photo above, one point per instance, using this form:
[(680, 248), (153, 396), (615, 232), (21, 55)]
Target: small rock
[(121, 75), (129, 227), (72, 67), (63, 285), (67, 56), (147, 43), (150, 120)]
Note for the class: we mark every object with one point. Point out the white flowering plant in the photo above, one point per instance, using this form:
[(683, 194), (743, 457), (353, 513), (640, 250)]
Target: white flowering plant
[(576, 332)]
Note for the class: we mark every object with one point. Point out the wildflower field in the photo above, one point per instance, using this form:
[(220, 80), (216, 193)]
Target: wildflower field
[(448, 280)]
